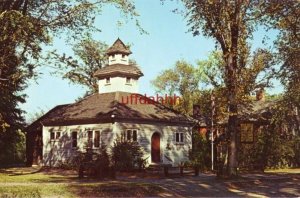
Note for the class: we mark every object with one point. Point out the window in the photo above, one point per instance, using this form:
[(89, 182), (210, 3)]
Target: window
[(128, 80), (107, 80), (74, 139), (123, 55), (93, 139), (131, 135), (97, 139), (179, 137), (246, 132), (90, 139), (128, 132), (134, 135), (54, 135)]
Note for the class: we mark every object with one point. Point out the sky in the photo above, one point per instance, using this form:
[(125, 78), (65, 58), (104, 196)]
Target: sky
[(167, 41)]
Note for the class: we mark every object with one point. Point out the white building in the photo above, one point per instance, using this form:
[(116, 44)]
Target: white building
[(116, 110)]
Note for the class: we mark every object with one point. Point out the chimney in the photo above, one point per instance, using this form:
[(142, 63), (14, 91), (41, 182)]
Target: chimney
[(260, 95)]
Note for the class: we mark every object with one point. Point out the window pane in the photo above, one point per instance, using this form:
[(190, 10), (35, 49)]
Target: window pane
[(52, 135), (90, 139), (177, 137), (134, 135), (128, 135), (181, 137), (57, 135), (74, 139), (97, 139)]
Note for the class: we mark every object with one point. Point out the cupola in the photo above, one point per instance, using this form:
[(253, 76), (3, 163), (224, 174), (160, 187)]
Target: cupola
[(119, 74)]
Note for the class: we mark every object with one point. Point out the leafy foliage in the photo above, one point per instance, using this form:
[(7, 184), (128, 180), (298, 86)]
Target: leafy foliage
[(183, 80), (127, 155), (284, 16), (12, 147), (89, 57), (199, 155)]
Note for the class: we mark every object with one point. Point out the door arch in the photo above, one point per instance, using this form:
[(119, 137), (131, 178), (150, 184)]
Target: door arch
[(155, 147)]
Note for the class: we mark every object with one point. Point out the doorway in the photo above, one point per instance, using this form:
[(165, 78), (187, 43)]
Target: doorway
[(155, 147)]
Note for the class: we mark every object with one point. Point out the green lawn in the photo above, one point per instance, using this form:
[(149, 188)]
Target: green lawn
[(28, 182), (284, 170)]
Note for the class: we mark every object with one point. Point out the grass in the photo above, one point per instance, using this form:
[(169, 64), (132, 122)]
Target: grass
[(35, 191), (119, 189), (25, 182), (284, 170)]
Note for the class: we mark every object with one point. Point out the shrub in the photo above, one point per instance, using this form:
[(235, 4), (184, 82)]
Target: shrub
[(12, 147), (95, 163), (199, 155), (102, 164), (272, 150), (275, 151), (127, 155)]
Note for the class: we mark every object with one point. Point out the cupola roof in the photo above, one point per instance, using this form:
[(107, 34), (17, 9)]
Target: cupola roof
[(119, 70), (118, 47)]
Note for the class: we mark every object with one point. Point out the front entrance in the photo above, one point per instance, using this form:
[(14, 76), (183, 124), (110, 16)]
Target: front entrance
[(155, 148)]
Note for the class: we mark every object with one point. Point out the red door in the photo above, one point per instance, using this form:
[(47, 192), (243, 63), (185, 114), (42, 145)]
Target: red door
[(155, 147)]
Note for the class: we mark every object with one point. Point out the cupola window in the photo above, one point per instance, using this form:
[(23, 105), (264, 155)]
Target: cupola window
[(128, 80)]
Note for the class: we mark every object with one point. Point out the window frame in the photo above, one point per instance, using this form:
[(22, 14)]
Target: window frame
[(247, 132), (93, 139), (54, 135), (131, 139), (181, 138), (72, 139)]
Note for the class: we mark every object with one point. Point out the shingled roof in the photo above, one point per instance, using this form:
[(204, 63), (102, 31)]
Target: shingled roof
[(108, 107), (255, 111), (119, 70), (118, 47)]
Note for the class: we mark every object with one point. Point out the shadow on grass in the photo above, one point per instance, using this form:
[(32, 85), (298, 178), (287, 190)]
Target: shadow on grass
[(117, 189)]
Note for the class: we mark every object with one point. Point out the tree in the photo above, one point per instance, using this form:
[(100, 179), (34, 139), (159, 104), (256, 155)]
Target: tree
[(89, 57), (182, 80), (230, 24), (284, 16)]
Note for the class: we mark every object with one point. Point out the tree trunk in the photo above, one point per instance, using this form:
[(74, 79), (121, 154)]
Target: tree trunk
[(232, 121), (232, 157)]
